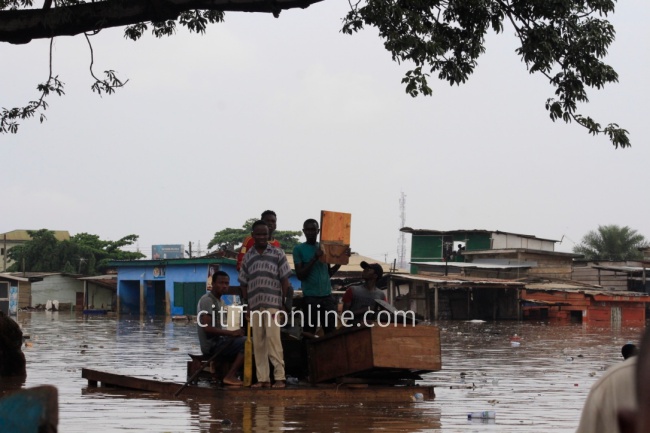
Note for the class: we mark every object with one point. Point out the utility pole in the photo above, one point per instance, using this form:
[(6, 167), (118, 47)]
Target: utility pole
[(189, 253), (4, 253), (401, 242)]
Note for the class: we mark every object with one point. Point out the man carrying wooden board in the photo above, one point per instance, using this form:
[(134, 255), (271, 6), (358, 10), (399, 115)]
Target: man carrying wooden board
[(318, 304)]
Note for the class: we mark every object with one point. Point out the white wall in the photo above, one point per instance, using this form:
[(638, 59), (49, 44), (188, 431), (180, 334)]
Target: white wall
[(507, 241), (56, 287)]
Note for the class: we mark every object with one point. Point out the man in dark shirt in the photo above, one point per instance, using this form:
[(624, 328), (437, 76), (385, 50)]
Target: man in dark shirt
[(360, 299), (213, 335), (318, 304)]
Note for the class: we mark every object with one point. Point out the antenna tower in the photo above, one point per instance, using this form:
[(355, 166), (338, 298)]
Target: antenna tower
[(401, 242)]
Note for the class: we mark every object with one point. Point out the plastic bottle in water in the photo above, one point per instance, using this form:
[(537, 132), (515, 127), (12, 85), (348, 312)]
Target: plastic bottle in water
[(486, 414)]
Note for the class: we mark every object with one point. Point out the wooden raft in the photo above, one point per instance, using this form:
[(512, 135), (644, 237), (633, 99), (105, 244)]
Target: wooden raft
[(331, 392)]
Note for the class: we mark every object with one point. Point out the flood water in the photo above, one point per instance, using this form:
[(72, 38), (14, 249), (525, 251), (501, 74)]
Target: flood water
[(538, 386)]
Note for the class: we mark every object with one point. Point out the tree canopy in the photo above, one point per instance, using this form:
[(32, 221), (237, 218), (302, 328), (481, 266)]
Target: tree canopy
[(612, 242), (84, 253), (230, 239), (563, 40)]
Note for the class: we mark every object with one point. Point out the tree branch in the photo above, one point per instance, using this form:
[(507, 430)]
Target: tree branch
[(22, 26)]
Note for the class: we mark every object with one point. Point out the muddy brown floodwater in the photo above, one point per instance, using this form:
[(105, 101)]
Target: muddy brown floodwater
[(539, 386)]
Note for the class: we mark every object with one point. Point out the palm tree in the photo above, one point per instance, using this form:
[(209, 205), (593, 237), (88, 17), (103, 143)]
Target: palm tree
[(612, 242)]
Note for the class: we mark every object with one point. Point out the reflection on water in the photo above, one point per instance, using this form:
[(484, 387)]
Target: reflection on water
[(537, 386)]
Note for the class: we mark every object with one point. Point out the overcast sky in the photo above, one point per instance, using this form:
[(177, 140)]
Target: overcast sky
[(289, 114)]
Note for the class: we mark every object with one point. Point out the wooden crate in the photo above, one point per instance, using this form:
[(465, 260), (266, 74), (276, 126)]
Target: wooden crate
[(363, 349)]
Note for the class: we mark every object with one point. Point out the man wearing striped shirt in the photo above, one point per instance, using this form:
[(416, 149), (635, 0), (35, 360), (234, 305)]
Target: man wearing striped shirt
[(264, 280)]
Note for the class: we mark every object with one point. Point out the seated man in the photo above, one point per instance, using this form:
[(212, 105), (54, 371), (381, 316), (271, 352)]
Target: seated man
[(360, 299), (213, 335)]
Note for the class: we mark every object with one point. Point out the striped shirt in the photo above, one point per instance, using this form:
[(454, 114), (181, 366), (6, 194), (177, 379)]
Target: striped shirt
[(261, 274)]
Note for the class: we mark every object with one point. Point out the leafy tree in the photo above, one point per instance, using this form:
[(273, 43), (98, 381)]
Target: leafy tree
[(564, 40), (611, 242), (83, 253), (230, 239)]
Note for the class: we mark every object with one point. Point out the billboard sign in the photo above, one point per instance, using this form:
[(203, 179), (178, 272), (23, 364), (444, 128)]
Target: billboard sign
[(162, 252)]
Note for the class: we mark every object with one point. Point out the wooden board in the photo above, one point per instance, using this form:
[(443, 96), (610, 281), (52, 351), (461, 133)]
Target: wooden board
[(365, 349), (34, 410), (335, 230), (299, 393)]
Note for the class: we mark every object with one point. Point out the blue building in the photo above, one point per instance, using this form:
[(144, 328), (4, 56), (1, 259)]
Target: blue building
[(169, 287)]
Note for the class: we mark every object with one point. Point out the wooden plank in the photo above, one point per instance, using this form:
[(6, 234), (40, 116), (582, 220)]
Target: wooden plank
[(418, 350), (335, 230), (302, 393), (34, 410)]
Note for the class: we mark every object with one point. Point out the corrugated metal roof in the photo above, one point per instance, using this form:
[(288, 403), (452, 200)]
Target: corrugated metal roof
[(455, 281), (476, 265), (559, 286), (592, 290), (626, 269), (461, 231), (165, 262), (9, 276), (100, 277), (354, 264), (515, 250), (108, 281)]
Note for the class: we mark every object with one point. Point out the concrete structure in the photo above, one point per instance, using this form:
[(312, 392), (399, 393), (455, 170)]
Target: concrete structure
[(169, 287), (494, 254), (18, 237), (73, 292), (174, 286)]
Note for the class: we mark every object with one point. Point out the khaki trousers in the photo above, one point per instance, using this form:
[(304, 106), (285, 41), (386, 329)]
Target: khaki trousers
[(266, 344)]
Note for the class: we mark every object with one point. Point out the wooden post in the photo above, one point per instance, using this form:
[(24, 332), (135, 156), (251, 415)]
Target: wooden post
[(85, 301), (427, 302), (4, 255), (469, 310), (494, 305), (143, 306), (436, 309), (599, 278), (644, 278)]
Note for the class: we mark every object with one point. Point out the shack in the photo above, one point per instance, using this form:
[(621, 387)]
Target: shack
[(573, 302), (18, 287)]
